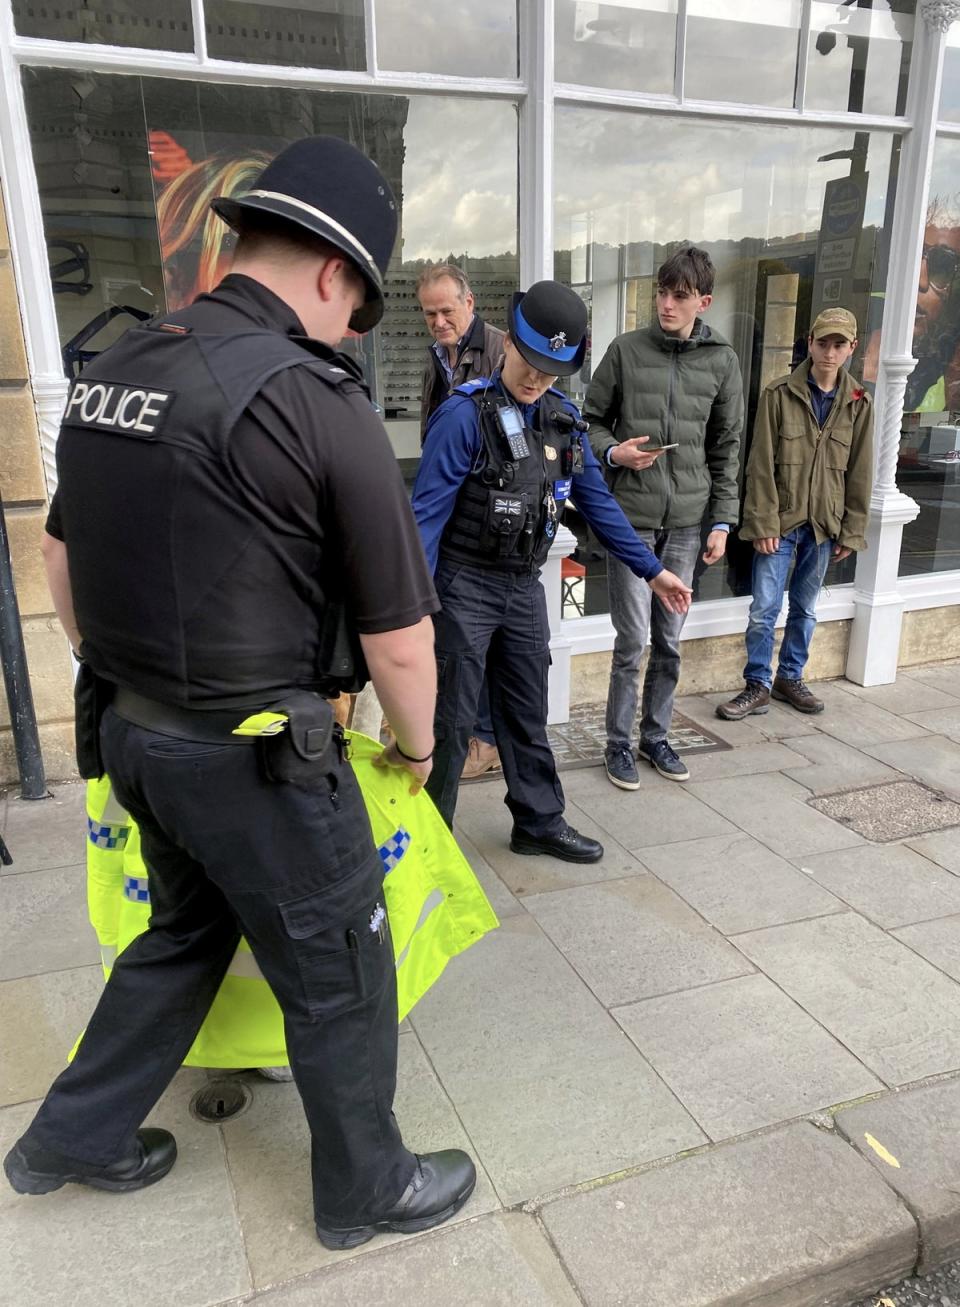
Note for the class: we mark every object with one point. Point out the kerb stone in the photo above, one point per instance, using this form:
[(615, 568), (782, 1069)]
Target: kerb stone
[(916, 1149), (794, 1218)]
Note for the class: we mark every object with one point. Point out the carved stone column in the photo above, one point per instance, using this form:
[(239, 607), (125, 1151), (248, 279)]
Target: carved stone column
[(939, 14), (875, 636)]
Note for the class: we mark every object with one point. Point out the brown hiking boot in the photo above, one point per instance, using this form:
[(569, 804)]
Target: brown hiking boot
[(796, 694), (753, 698), (481, 758)]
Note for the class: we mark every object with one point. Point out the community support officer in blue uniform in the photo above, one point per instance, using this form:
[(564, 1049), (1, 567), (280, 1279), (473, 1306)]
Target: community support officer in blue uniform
[(501, 458), (224, 485)]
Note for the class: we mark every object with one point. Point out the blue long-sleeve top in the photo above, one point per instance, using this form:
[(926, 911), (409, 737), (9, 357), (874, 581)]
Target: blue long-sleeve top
[(454, 447)]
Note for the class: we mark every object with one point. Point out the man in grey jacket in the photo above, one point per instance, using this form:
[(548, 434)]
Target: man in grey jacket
[(665, 409), (464, 348)]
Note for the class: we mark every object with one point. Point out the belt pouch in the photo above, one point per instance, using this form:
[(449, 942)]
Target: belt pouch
[(91, 695), (304, 752)]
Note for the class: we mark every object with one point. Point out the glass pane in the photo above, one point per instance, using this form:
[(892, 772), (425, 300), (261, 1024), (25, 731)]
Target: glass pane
[(457, 37), (313, 34), (793, 221), (629, 46), (128, 225), (109, 22), (860, 55), (747, 55), (950, 87), (928, 467)]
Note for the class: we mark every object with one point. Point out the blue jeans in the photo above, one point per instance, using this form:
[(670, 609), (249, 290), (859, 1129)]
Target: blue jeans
[(770, 572)]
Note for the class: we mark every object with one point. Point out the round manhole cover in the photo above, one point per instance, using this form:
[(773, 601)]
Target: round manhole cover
[(220, 1100)]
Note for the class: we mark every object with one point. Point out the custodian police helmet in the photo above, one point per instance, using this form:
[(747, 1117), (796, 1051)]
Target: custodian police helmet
[(327, 186), (548, 325)]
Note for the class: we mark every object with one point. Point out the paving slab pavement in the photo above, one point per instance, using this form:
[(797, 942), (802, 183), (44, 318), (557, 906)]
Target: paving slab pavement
[(912, 1140), (789, 1219), (637, 1032)]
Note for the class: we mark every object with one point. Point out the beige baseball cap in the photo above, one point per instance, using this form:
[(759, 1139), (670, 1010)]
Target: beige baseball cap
[(835, 322)]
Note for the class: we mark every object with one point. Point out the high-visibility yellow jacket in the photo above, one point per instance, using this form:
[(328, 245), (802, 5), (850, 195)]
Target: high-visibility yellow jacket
[(436, 906)]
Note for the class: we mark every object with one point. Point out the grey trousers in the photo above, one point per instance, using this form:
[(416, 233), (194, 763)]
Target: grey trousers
[(636, 614)]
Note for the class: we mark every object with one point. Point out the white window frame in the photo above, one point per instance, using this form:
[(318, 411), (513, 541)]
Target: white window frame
[(536, 95)]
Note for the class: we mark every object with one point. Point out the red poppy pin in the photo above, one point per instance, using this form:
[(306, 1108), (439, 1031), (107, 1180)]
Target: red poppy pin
[(858, 393)]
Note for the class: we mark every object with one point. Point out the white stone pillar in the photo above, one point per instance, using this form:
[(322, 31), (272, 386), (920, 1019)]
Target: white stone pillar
[(878, 617), (558, 701)]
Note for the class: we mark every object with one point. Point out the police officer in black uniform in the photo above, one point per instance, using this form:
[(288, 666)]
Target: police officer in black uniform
[(501, 458), (225, 491)]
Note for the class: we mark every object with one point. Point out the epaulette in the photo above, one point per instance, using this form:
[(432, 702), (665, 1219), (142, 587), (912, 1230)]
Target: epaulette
[(471, 387)]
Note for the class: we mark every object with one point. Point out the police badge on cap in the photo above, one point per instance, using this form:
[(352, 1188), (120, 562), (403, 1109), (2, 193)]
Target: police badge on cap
[(548, 325)]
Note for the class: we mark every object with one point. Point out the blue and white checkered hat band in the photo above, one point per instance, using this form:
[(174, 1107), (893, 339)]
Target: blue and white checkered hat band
[(136, 888), (552, 346), (107, 837), (393, 849)]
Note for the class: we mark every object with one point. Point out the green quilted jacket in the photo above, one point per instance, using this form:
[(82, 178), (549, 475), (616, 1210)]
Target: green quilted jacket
[(689, 391)]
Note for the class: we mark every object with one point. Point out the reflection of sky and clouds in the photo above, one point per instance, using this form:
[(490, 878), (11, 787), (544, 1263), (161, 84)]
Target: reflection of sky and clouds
[(459, 178), (455, 37), (629, 178)]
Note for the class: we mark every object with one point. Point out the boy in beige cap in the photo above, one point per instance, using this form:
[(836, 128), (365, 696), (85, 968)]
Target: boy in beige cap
[(809, 477)]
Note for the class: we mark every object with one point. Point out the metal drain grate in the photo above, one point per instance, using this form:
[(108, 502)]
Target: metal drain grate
[(580, 742), (220, 1100), (890, 812)]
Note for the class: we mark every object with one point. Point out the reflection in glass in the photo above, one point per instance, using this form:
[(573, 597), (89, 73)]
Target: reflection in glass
[(629, 46), (950, 86), (312, 34), (457, 37), (751, 60), (860, 55), (792, 217), (928, 466), (127, 218), (140, 23)]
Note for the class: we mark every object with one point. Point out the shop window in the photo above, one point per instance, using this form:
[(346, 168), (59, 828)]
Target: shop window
[(793, 219), (456, 37), (928, 466), (859, 56), (109, 22), (630, 46), (731, 58), (130, 231), (950, 87), (312, 34)]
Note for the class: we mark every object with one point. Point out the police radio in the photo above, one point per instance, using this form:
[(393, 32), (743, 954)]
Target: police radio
[(510, 424)]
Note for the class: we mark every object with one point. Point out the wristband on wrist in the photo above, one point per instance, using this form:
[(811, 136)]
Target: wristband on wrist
[(409, 757)]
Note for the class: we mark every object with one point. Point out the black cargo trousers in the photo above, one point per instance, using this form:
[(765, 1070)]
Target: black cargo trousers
[(293, 869)]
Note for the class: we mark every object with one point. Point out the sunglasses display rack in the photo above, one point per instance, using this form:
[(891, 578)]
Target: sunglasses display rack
[(403, 339)]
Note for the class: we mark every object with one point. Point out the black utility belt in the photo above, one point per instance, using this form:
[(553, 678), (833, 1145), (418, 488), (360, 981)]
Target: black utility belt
[(201, 725), (307, 751)]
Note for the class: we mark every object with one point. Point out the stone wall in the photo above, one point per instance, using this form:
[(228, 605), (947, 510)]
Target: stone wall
[(24, 495)]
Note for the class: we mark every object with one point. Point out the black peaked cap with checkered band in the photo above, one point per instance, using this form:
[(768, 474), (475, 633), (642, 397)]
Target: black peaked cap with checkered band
[(548, 325), (326, 185)]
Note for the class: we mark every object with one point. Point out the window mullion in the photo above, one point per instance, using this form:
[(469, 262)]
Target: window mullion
[(803, 55)]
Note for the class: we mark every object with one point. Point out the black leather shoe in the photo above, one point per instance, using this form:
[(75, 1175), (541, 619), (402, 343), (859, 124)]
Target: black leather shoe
[(441, 1184), (32, 1169), (567, 844)]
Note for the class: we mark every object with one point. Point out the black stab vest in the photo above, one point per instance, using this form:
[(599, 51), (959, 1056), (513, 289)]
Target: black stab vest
[(501, 518), (183, 590)]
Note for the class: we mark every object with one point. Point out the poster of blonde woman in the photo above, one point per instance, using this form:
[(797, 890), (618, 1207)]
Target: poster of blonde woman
[(196, 246)]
